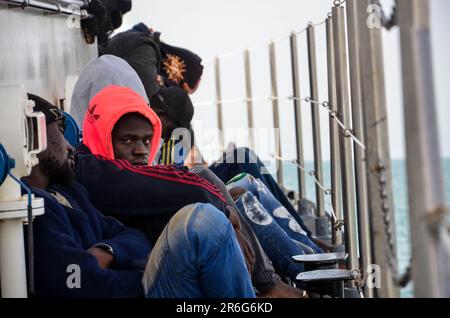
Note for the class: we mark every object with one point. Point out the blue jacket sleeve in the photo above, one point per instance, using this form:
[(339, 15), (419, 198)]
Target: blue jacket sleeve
[(64, 269), (128, 244)]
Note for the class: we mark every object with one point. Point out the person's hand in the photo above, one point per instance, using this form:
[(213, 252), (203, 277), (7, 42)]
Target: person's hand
[(236, 192), (104, 258)]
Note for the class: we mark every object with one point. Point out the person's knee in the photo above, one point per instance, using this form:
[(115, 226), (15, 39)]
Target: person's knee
[(208, 224), (197, 223), (247, 182)]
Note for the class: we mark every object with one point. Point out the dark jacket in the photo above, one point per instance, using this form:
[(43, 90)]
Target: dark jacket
[(142, 197), (141, 52), (62, 237)]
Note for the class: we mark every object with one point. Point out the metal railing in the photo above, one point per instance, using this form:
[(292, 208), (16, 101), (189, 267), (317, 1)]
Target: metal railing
[(361, 198), (69, 7)]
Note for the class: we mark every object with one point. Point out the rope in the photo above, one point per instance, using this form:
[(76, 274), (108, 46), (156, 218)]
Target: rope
[(346, 131), (333, 113), (255, 47), (311, 24)]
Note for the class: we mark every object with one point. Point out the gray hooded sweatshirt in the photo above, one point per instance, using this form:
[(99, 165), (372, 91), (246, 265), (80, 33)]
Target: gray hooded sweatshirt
[(96, 75)]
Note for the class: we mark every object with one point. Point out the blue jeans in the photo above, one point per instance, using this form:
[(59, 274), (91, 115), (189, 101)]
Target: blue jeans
[(277, 211), (278, 246), (245, 160), (197, 256)]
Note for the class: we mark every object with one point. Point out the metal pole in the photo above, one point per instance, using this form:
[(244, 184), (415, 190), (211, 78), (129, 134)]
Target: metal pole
[(378, 169), (358, 130), (427, 202), (12, 259), (60, 7), (315, 118), (249, 94), (334, 135), (219, 103), (12, 248), (276, 115), (345, 143), (297, 114)]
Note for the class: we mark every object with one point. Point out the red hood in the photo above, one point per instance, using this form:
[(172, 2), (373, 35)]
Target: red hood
[(105, 110)]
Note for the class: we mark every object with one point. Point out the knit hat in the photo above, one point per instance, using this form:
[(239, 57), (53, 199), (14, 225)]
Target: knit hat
[(175, 103), (180, 67)]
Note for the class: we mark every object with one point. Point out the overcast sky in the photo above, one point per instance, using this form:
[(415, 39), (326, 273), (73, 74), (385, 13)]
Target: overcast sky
[(210, 27)]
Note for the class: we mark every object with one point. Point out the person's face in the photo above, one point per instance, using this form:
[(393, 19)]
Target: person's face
[(57, 161), (167, 124), (131, 139)]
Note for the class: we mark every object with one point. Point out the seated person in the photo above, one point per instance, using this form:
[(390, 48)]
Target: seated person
[(151, 198), (119, 124), (131, 146), (175, 110), (81, 253)]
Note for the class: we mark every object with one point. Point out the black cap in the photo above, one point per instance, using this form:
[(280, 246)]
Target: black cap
[(51, 112), (176, 104)]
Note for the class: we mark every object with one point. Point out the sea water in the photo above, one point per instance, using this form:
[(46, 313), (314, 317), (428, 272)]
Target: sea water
[(400, 196)]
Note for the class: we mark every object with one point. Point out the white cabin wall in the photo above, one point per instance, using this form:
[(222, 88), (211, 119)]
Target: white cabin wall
[(40, 51)]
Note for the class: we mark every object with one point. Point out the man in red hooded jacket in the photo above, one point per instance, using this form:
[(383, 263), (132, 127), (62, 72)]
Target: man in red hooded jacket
[(112, 182), (115, 127)]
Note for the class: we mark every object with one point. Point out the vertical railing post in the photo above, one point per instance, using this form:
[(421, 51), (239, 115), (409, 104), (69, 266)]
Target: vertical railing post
[(276, 114), (249, 94), (297, 114), (219, 103), (312, 60), (334, 135), (378, 162), (358, 132), (343, 106), (427, 203)]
